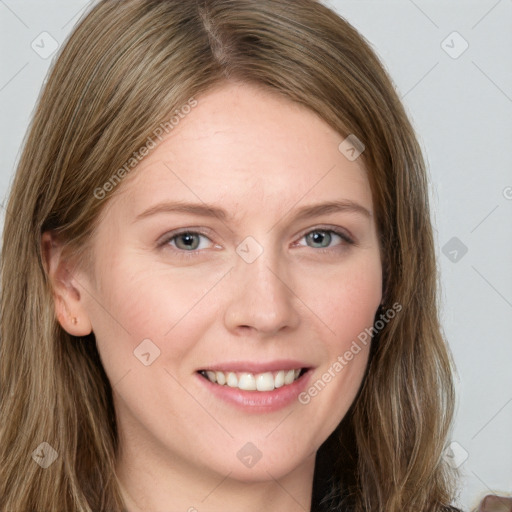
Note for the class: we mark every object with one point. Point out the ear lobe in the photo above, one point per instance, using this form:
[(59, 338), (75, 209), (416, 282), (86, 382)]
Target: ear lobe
[(69, 307)]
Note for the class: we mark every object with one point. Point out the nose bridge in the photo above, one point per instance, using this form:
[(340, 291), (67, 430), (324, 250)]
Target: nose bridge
[(262, 296)]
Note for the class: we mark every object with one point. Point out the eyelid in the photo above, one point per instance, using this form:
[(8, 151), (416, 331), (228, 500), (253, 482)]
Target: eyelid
[(344, 234), (167, 237)]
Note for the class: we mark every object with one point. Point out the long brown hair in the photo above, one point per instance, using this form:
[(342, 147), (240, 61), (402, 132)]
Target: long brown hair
[(126, 67)]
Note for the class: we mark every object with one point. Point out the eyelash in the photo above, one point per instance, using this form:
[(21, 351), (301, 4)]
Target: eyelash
[(193, 253)]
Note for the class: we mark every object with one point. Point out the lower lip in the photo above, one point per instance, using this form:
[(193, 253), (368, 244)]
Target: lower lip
[(259, 401)]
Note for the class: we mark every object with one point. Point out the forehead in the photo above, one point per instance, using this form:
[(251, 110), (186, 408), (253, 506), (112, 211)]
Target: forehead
[(246, 146)]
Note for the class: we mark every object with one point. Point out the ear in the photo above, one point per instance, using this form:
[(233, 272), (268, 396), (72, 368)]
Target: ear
[(69, 305)]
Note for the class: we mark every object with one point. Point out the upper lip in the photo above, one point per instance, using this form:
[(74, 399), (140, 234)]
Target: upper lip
[(255, 367)]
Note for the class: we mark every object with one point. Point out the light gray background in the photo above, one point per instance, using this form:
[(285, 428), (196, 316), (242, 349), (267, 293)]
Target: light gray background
[(460, 103)]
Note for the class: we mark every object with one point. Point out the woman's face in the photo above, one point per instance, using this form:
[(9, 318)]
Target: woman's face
[(247, 295)]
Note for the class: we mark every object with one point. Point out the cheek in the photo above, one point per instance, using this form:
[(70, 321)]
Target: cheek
[(346, 304), (345, 298), (141, 302)]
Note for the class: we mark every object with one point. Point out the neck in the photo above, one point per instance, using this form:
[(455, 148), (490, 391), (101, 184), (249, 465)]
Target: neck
[(173, 488)]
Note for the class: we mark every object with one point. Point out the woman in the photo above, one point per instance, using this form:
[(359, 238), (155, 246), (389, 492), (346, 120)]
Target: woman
[(257, 370)]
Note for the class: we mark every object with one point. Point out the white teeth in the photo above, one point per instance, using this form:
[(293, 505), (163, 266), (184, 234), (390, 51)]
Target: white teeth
[(232, 380), (279, 381), (246, 381), (265, 382), (289, 377)]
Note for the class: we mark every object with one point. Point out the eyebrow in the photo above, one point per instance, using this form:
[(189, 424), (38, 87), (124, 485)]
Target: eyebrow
[(209, 210)]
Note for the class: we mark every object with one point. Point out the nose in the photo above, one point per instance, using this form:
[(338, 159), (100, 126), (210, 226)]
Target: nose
[(261, 297)]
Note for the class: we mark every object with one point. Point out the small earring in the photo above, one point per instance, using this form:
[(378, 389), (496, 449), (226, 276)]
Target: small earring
[(75, 320)]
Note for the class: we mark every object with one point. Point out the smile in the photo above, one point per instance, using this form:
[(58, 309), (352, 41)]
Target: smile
[(245, 381)]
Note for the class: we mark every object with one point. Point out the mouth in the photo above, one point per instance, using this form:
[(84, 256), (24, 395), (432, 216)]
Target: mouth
[(246, 381)]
